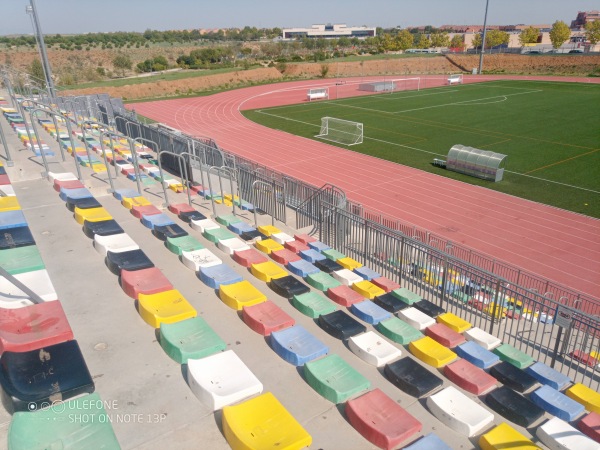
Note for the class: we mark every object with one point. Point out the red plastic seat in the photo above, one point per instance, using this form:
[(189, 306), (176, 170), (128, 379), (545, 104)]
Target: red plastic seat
[(304, 238), (344, 295), (266, 317), (445, 335), (381, 420), (145, 281), (584, 358), (145, 210), (590, 426), (296, 246), (469, 377), (34, 326), (385, 283), (248, 257), (284, 256), (4, 179), (67, 184), (178, 208)]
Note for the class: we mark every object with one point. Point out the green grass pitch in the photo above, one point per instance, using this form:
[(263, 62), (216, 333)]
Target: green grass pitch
[(550, 132)]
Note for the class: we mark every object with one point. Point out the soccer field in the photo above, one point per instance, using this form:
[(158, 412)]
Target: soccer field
[(550, 132)]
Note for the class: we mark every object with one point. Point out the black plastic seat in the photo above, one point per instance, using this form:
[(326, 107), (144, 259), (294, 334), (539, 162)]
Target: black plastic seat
[(411, 377), (16, 237), (328, 265), (512, 377), (188, 216), (288, 286), (431, 309), (102, 228), (163, 232), (33, 379), (341, 325), (131, 261), (390, 303), (82, 203), (513, 406), (250, 235)]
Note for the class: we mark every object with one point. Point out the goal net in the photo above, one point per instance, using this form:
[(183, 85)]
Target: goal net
[(317, 94), (341, 131), (391, 85)]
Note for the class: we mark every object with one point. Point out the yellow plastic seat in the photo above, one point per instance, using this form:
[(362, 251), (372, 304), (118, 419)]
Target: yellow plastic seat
[(349, 263), (98, 167), (91, 215), (268, 245), (431, 352), (505, 437), (164, 307), (268, 230), (500, 312), (266, 271), (9, 203), (586, 396), (454, 322), (367, 289), (263, 423), (238, 295), (176, 187), (130, 202)]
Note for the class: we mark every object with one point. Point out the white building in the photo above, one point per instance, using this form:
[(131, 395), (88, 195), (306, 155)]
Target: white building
[(329, 31)]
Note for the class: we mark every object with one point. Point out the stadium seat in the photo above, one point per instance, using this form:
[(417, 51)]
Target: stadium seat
[(504, 437), (390, 303), (193, 216), (589, 398), (340, 325), (348, 263), (459, 412), (373, 349), (240, 294), (282, 238), (267, 246), (322, 281), (444, 335), (16, 237), (215, 276), (344, 295), (215, 235), (310, 255), (431, 352), (71, 194), (227, 219), (477, 355), (558, 434), (590, 426), (240, 227), (585, 358), (82, 203), (130, 202), (366, 273), (196, 259), (42, 375), (381, 420), (333, 254), (296, 246), (334, 378), (288, 286), (178, 208), (429, 308), (513, 377), (416, 318), (91, 215), (556, 403), (346, 277), (484, 339), (369, 312), (327, 265), (114, 243), (514, 406), (284, 256), (164, 307), (131, 260), (304, 238), (453, 322), (178, 245), (248, 257), (221, 379), (398, 331), (513, 355), (302, 268), (140, 211), (38, 281), (430, 441), (367, 289), (266, 271), (146, 281), (469, 377), (548, 376), (411, 377), (189, 339), (278, 428), (407, 296), (268, 230), (203, 225), (101, 228), (312, 304), (173, 231), (385, 283), (21, 260), (296, 345), (55, 426), (12, 219), (266, 317), (318, 246)]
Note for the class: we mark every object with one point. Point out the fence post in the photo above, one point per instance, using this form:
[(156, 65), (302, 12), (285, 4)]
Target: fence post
[(495, 306), (366, 238), (444, 277), (401, 262)]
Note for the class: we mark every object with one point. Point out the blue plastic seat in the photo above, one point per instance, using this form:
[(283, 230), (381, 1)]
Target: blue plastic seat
[(297, 346), (240, 227), (546, 375), (156, 219), (429, 442), (12, 219), (71, 194), (318, 246), (369, 312), (120, 194), (302, 268), (367, 273), (477, 355), (215, 276), (557, 403), (312, 255)]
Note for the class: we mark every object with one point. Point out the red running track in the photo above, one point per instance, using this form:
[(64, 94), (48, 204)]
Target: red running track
[(554, 243)]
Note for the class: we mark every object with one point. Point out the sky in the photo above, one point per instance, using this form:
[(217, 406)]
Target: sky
[(85, 16)]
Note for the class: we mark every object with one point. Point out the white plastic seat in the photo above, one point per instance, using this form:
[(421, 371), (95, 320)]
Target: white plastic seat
[(62, 176), (199, 258), (204, 224), (416, 318), (459, 412), (373, 349), (486, 340), (281, 238), (346, 277), (231, 245), (221, 379), (38, 281), (559, 435), (115, 243), (6, 190)]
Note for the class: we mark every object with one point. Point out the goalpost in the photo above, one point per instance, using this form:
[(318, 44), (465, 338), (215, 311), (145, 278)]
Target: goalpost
[(341, 131), (317, 94), (391, 85)]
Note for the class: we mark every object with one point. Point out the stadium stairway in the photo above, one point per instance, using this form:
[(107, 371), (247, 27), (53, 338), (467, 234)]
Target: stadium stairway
[(354, 382)]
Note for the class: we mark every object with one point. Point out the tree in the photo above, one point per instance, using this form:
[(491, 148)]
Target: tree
[(123, 63), (440, 40), (422, 41), (592, 32), (36, 70), (494, 38), (404, 40), (457, 41), (559, 33), (529, 35)]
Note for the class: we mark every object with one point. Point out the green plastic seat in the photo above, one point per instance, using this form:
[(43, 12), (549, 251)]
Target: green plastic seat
[(322, 281), (218, 234), (333, 254), (183, 244), (334, 378), (190, 339), (398, 331), (313, 304), (228, 219), (21, 259), (56, 427), (513, 356), (406, 296)]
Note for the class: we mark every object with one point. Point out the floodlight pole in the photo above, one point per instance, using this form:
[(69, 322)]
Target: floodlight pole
[(487, 3), (46, 65)]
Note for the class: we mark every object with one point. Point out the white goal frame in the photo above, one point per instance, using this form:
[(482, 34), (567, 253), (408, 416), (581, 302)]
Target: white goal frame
[(317, 94), (341, 131), (455, 78)]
